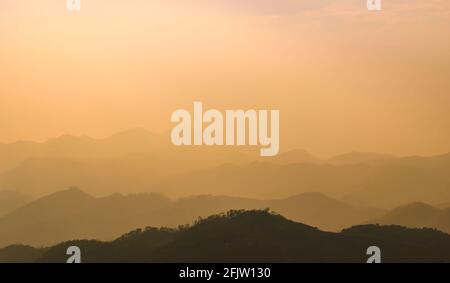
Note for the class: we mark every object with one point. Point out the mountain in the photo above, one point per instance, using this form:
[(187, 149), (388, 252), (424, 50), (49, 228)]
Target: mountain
[(417, 215), (11, 200), (430, 162), (137, 172), (13, 154), (182, 173), (314, 209), (266, 180), (318, 210), (259, 236), (295, 156), (68, 146), (385, 185), (412, 215), (46, 218), (138, 161), (73, 214), (368, 158)]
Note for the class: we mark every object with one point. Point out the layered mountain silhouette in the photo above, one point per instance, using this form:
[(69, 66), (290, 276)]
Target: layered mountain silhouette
[(417, 215), (135, 159), (250, 236), (295, 156), (385, 185), (73, 214), (368, 158), (138, 161)]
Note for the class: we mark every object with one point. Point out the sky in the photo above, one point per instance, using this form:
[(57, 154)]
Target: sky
[(344, 78)]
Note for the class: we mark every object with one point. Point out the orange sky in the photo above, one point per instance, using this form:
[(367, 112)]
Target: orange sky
[(343, 78)]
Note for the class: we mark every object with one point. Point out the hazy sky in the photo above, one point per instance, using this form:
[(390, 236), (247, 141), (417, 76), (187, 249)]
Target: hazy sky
[(343, 78)]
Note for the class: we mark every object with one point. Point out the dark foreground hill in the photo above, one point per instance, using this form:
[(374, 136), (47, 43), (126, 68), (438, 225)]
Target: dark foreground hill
[(253, 236)]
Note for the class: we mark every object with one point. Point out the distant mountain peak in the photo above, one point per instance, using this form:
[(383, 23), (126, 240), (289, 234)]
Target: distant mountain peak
[(69, 194), (415, 208)]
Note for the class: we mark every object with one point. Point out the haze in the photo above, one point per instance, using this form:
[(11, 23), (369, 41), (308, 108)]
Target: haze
[(344, 79)]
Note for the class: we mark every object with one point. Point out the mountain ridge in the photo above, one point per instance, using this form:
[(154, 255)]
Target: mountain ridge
[(137, 161), (72, 214)]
